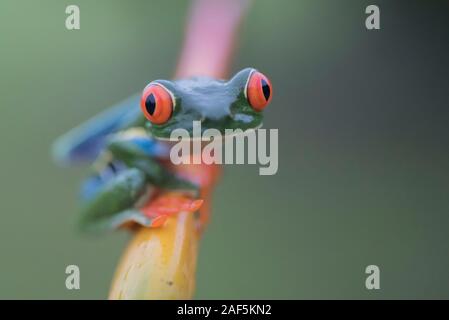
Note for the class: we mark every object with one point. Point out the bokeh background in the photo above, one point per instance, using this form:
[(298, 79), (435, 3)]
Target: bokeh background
[(363, 157)]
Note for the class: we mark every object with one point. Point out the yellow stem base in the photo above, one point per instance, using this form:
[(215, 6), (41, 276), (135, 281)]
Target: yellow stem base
[(159, 263)]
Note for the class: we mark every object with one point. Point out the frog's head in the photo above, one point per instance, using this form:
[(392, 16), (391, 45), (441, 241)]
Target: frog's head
[(218, 104)]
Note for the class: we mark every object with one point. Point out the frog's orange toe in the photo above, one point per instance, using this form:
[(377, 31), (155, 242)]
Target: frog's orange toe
[(159, 221), (193, 206), (171, 203)]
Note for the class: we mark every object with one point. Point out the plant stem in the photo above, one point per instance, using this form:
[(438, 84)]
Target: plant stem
[(159, 263)]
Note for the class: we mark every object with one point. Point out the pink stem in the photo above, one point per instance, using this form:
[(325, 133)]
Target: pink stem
[(210, 38)]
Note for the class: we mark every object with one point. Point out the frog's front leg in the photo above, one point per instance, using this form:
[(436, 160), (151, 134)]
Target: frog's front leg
[(117, 201), (135, 149)]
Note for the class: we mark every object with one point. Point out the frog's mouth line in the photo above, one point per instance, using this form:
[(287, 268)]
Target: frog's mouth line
[(223, 136)]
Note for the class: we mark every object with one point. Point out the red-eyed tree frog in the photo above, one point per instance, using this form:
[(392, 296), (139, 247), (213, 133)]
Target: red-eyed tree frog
[(129, 154)]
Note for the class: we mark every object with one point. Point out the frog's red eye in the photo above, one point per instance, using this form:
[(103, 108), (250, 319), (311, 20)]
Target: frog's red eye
[(258, 91), (156, 104)]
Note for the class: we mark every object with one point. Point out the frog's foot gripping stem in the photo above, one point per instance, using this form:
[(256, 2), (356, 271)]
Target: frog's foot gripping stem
[(204, 176), (170, 203), (126, 200)]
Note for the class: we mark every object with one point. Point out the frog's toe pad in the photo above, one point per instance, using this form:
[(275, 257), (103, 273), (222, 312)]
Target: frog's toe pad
[(169, 204), (158, 221)]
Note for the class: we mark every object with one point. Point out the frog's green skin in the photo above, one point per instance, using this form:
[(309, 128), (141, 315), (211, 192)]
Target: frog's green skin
[(124, 173), (217, 104)]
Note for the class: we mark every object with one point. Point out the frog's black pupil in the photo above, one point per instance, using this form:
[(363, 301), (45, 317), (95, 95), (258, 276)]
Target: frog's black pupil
[(150, 104), (266, 89)]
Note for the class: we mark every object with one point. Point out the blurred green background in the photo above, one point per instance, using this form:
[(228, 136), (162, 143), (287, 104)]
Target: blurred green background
[(363, 153)]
